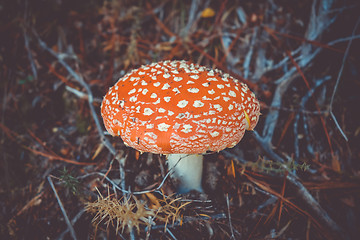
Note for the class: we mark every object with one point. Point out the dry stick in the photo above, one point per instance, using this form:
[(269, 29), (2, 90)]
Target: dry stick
[(338, 80), (284, 82), (73, 221), (273, 115), (171, 234), (90, 99), (302, 191), (30, 57), (26, 42), (317, 24), (185, 32), (247, 60), (302, 107), (122, 188), (81, 81), (228, 209), (157, 189), (72, 231), (218, 216)]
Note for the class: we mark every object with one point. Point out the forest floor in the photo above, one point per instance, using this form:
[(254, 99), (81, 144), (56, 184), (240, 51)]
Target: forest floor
[(297, 176)]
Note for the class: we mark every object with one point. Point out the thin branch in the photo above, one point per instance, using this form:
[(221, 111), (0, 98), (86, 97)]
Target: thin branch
[(116, 186), (302, 107), (73, 221), (338, 80), (187, 219), (229, 216), (317, 24), (171, 234), (26, 42), (302, 191), (81, 81), (71, 229)]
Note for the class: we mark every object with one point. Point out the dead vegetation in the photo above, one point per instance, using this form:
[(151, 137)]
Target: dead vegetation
[(295, 177)]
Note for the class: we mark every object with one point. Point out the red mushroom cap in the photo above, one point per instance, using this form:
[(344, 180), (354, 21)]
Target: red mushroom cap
[(179, 107)]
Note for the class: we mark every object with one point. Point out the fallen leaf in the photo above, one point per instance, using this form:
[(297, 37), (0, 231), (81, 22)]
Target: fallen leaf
[(207, 13)]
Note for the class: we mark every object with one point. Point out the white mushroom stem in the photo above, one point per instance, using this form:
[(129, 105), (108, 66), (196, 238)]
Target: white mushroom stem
[(187, 169)]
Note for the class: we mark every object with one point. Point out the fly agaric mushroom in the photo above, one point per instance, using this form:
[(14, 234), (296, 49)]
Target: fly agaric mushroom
[(182, 110)]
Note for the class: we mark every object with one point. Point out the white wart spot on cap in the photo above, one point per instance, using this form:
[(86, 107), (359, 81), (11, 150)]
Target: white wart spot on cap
[(214, 134), (167, 75), (133, 99), (193, 90), (163, 127), (232, 93), (218, 107), (134, 79), (161, 110), (166, 86), (148, 111), (176, 90), (186, 128), (182, 103), (132, 91), (151, 134), (198, 103)]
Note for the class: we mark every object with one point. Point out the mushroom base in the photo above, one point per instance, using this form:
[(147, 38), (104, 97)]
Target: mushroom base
[(187, 170)]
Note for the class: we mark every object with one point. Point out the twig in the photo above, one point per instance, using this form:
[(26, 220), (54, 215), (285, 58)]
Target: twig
[(338, 80), (55, 157), (73, 221), (90, 99), (267, 147), (132, 234), (185, 32), (71, 229), (317, 24), (81, 81), (229, 216), (302, 107), (116, 186), (302, 191), (171, 234), (188, 219), (248, 57), (76, 92), (26, 42)]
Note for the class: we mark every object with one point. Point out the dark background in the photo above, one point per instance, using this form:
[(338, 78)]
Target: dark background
[(48, 129)]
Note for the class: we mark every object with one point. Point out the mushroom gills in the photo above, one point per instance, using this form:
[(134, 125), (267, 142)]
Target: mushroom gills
[(187, 170)]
